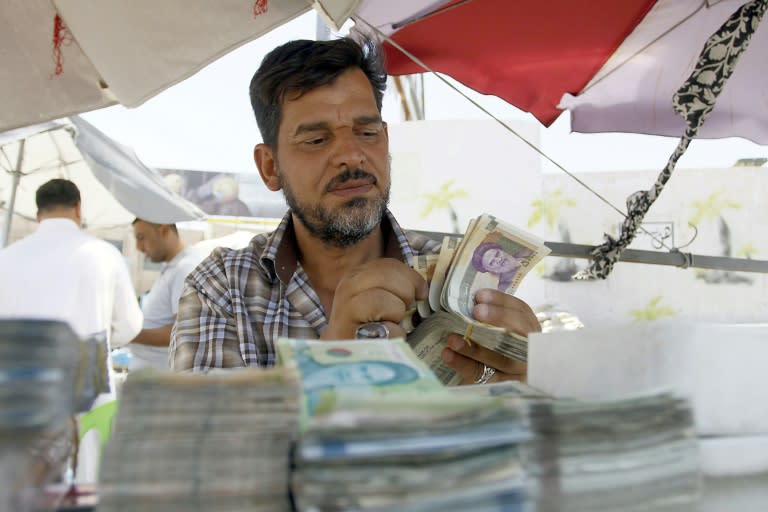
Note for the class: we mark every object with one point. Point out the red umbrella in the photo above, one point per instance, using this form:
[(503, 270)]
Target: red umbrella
[(614, 64), (527, 52)]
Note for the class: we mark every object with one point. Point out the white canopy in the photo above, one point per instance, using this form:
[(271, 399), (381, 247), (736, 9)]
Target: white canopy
[(64, 57), (115, 185)]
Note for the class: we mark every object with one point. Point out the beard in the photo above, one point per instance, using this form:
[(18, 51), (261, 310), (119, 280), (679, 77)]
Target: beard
[(347, 225)]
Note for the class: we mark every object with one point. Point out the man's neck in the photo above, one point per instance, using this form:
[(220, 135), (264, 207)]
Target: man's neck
[(326, 265), (175, 250), (59, 214)]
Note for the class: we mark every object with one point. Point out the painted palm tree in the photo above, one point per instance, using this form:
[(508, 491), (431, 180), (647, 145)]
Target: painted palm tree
[(652, 311), (746, 251), (549, 209), (711, 209), (443, 199)]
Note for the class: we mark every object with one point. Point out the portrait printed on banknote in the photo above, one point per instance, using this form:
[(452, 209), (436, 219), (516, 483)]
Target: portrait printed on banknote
[(501, 261)]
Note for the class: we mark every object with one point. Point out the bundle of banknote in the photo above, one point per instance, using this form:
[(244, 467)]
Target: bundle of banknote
[(491, 254), (219, 441), (47, 374), (42, 363), (637, 453), (624, 455), (363, 367), (384, 434)]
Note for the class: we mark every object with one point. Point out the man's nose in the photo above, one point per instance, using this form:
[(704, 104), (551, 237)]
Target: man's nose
[(347, 151)]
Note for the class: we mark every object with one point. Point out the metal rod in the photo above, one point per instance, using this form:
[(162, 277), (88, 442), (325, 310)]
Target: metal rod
[(670, 258), (12, 200)]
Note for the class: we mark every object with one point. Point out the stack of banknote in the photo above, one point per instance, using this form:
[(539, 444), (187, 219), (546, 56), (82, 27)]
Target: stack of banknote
[(637, 453), (384, 434), (633, 454), (219, 441), (43, 366), (47, 374), (491, 254)]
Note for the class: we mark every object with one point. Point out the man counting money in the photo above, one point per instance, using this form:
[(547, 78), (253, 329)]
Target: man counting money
[(337, 267)]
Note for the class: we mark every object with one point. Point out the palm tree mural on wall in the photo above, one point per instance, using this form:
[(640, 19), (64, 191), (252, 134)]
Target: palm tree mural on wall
[(711, 209), (746, 251), (443, 200), (549, 210), (653, 310)]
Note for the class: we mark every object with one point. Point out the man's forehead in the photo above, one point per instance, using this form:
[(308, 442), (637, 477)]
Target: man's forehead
[(349, 97)]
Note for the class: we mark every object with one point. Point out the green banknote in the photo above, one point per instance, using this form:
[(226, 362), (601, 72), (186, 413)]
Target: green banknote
[(376, 367)]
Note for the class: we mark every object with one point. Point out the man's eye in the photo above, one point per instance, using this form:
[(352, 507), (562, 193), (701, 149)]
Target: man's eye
[(315, 141), (369, 133)]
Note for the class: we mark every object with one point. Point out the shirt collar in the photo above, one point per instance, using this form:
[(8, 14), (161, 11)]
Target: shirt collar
[(279, 257)]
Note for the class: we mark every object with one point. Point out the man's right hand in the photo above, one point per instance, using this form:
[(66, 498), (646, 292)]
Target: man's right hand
[(378, 291)]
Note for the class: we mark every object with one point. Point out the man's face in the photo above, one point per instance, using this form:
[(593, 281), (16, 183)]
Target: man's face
[(149, 240), (332, 159), (498, 261)]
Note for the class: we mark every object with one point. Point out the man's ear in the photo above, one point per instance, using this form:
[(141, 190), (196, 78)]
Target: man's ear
[(265, 159)]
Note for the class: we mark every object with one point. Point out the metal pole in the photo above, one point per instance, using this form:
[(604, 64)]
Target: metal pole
[(12, 201), (671, 258)]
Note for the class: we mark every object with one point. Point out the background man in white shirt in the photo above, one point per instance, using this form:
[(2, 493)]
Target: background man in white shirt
[(61, 272)]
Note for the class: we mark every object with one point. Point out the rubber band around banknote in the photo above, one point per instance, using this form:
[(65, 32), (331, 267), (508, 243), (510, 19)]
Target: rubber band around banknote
[(468, 335)]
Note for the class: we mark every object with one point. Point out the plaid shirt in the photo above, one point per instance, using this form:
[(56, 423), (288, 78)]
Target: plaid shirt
[(236, 303)]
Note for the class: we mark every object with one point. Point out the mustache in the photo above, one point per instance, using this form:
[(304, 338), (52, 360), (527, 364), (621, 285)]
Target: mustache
[(347, 175)]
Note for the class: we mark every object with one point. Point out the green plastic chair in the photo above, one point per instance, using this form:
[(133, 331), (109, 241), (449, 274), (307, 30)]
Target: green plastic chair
[(99, 418)]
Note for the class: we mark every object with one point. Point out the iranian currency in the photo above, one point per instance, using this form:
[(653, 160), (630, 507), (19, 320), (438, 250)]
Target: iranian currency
[(445, 258), (493, 254), (407, 452), (47, 373), (630, 454), (425, 265), (429, 339), (219, 441), (328, 368)]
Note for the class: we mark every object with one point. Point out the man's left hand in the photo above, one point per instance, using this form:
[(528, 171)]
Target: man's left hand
[(502, 310)]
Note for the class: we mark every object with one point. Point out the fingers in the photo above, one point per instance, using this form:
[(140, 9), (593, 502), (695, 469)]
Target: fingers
[(503, 310), (468, 360), (379, 291), (395, 330), (377, 304), (390, 275)]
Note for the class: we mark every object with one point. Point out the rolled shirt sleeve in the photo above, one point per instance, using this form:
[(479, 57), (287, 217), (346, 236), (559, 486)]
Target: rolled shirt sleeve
[(205, 334)]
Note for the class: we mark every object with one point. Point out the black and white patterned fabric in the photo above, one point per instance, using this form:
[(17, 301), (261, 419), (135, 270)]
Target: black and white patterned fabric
[(693, 101)]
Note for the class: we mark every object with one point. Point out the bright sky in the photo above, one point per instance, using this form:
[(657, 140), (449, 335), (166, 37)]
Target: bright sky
[(206, 123)]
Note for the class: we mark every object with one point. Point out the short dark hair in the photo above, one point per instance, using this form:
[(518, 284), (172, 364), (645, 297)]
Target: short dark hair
[(303, 65), (57, 193)]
